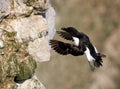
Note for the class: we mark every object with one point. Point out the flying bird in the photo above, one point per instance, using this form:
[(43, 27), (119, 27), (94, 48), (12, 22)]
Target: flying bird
[(82, 45)]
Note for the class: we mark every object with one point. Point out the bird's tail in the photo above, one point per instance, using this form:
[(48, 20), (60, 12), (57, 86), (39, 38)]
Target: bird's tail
[(94, 64), (98, 63)]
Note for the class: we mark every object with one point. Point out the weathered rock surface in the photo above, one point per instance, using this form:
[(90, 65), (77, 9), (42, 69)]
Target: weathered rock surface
[(30, 84), (26, 26)]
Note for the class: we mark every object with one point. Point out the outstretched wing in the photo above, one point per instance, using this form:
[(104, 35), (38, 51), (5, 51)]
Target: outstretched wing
[(65, 35), (65, 48), (72, 31)]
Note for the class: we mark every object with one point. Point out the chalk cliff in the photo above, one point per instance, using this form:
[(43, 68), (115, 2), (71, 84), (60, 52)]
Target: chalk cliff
[(26, 26)]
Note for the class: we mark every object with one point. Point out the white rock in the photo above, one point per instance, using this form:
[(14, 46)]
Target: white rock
[(39, 49), (29, 27), (50, 17), (1, 44), (32, 83)]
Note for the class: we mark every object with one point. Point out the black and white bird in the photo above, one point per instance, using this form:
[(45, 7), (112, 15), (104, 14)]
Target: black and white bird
[(82, 46)]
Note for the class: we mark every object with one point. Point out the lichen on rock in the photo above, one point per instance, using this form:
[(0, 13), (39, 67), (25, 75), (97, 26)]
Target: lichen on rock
[(32, 83), (26, 70), (13, 59), (26, 26)]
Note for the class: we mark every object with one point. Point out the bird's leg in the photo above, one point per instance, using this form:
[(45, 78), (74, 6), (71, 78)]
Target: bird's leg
[(91, 67)]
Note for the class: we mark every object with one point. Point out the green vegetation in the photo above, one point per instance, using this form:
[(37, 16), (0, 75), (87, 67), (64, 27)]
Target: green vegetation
[(14, 59)]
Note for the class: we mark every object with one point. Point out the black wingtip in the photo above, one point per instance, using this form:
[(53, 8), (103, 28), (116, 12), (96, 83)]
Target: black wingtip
[(51, 42), (64, 28), (65, 35), (58, 32), (58, 47)]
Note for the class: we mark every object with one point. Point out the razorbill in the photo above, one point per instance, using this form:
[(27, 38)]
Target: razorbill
[(82, 45)]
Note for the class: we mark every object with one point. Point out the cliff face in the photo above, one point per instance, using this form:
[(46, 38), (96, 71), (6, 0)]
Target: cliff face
[(26, 26)]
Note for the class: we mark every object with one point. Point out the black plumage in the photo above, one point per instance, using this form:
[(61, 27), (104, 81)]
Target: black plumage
[(66, 48), (82, 45)]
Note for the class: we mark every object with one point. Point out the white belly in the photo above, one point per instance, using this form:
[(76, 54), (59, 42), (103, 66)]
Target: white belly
[(76, 40), (89, 57)]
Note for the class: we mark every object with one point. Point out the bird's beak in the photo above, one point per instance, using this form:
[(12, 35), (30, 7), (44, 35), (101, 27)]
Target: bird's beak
[(103, 55)]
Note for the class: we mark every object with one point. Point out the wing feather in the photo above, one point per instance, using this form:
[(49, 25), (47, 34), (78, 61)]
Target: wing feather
[(75, 33), (65, 48), (72, 31), (65, 35), (59, 47)]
